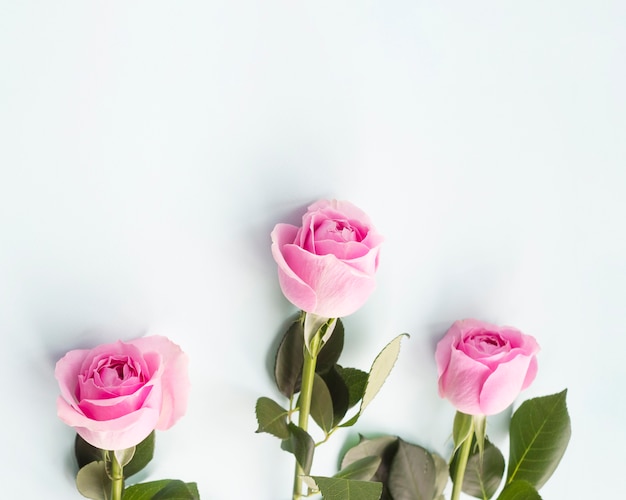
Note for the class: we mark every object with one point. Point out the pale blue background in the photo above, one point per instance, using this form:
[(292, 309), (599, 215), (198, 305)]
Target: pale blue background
[(148, 148)]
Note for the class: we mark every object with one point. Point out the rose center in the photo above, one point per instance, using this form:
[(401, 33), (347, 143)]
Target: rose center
[(487, 343), (115, 371), (337, 230)]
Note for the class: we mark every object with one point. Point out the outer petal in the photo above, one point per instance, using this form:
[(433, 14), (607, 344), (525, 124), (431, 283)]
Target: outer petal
[(116, 434), (504, 385), (339, 288), (112, 408), (531, 373), (462, 381), (175, 382), (66, 372), (294, 288)]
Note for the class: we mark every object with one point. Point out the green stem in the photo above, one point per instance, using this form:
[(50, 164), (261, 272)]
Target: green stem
[(461, 465), (117, 477), (306, 391)]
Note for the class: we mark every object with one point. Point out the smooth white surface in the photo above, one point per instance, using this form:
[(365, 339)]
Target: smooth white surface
[(148, 148)]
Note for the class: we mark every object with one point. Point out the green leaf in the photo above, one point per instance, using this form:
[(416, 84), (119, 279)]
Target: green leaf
[(322, 404), (333, 488), (144, 452), (86, 453), (355, 380), (164, 489), (380, 370), (519, 490), (441, 475), (338, 393), (331, 350), (376, 447), (482, 478), (361, 470), (290, 359), (413, 474), (301, 445), (539, 435), (93, 482), (461, 429), (378, 374), (272, 418), (384, 447), (177, 490)]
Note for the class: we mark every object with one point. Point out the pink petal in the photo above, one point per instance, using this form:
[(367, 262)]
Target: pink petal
[(446, 345), (175, 382), (339, 289), (504, 385), (116, 434), (89, 390), (343, 250), (112, 408), (294, 288), (531, 373), (105, 351), (67, 370), (461, 382)]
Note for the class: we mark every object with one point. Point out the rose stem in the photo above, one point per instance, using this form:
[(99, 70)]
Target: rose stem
[(306, 391), (459, 471), (117, 478)]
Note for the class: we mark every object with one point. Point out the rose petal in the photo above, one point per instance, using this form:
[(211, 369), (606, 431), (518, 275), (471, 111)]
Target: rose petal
[(293, 287), (117, 434), (67, 370), (340, 289), (175, 384), (343, 250), (95, 356), (531, 373), (503, 385), (112, 408), (446, 345), (462, 381), (89, 390)]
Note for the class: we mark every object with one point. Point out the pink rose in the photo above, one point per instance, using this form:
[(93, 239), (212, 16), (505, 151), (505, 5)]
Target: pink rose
[(115, 395), (327, 266), (482, 367)]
